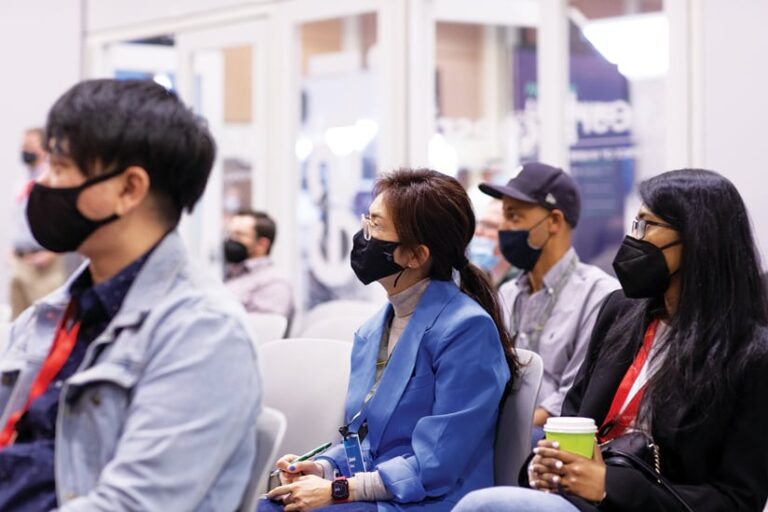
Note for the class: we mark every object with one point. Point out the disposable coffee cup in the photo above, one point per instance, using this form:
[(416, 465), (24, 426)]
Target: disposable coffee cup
[(575, 435)]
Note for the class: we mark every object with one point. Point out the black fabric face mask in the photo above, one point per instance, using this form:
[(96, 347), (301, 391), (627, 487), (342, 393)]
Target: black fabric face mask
[(54, 219), (235, 252), (28, 157), (641, 268), (514, 246), (373, 259)]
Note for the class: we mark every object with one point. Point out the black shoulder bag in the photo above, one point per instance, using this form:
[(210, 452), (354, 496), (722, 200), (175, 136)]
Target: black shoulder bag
[(637, 450)]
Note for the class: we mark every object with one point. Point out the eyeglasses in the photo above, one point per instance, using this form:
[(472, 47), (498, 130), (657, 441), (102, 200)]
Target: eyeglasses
[(369, 227), (639, 227)]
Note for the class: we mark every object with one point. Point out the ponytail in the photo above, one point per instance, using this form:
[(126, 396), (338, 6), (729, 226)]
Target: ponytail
[(475, 283)]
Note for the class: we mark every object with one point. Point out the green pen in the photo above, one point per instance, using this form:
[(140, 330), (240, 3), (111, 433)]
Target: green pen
[(320, 449)]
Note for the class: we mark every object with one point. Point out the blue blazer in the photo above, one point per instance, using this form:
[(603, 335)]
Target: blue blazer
[(432, 421)]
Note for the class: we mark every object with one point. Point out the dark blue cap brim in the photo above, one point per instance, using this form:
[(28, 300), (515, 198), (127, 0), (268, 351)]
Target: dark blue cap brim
[(500, 191)]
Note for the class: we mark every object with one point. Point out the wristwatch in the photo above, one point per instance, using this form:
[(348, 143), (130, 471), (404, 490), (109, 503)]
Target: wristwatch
[(340, 490)]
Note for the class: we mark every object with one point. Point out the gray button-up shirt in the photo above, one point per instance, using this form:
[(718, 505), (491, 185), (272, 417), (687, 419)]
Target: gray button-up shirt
[(566, 332)]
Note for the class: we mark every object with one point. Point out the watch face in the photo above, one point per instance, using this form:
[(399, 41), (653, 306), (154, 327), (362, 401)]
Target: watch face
[(340, 490)]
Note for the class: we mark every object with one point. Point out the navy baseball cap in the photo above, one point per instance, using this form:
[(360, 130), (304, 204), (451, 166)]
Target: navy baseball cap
[(541, 184)]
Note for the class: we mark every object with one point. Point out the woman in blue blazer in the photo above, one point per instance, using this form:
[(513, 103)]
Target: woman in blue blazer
[(428, 371)]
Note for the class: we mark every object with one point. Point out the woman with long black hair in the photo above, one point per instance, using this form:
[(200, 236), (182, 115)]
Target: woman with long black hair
[(428, 371), (681, 355)]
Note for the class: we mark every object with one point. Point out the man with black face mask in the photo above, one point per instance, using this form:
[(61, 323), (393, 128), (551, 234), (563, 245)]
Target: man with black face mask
[(36, 271), (250, 273), (134, 386), (552, 307)]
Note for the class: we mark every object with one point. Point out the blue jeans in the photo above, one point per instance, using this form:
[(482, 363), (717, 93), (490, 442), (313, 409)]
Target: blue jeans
[(266, 505), (513, 499)]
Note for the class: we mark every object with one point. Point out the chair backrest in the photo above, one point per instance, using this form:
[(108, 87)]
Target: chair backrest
[(270, 430), (306, 379), (513, 436), (341, 328), (265, 327), (338, 310)]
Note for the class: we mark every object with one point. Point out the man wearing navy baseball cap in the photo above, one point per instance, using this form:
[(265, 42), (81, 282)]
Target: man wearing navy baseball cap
[(552, 307)]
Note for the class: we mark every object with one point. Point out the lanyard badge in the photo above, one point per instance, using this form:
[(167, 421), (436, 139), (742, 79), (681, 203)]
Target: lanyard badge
[(353, 448), (354, 452)]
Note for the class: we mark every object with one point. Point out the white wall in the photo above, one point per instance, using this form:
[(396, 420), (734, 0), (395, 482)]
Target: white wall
[(111, 14), (734, 98), (40, 58)]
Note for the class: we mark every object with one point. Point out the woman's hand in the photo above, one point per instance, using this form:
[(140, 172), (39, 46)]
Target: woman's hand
[(290, 472), (573, 474), (542, 470), (305, 493)]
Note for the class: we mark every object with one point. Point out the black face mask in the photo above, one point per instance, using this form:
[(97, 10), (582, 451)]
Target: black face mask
[(641, 268), (28, 157), (514, 246), (54, 219), (235, 252), (373, 259)]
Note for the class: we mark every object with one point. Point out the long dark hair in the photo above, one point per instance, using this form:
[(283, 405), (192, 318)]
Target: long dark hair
[(722, 300), (433, 209)]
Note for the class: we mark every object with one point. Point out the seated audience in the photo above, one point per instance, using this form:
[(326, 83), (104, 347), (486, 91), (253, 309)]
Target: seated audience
[(35, 272), (132, 387), (484, 248), (552, 306), (251, 274), (679, 358), (427, 372)]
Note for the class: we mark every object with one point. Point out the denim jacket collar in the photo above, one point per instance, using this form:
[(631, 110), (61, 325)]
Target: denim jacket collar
[(151, 285)]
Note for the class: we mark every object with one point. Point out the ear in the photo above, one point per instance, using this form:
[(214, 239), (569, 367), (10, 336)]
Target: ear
[(557, 221), (419, 256), (263, 245), (135, 185)]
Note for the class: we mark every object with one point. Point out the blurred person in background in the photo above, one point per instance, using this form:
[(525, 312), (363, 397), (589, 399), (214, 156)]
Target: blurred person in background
[(484, 248), (36, 272), (552, 306), (250, 273)]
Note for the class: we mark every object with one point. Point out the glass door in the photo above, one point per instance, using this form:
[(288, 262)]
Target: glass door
[(221, 76)]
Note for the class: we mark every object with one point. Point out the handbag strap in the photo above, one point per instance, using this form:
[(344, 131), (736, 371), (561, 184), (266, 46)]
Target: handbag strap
[(651, 473)]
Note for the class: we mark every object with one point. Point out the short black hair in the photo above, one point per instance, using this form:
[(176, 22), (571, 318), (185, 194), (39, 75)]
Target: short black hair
[(105, 125), (265, 226)]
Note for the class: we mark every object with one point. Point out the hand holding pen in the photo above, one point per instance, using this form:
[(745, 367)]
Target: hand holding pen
[(293, 466)]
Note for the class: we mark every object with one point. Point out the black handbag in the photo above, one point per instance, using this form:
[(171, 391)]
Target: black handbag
[(637, 450)]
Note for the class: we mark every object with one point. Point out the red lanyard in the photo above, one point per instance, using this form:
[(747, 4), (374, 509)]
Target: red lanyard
[(62, 347), (617, 421)]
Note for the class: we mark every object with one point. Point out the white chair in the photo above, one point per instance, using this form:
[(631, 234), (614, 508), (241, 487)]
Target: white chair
[(306, 379), (270, 430), (352, 312), (513, 437), (266, 327), (336, 328)]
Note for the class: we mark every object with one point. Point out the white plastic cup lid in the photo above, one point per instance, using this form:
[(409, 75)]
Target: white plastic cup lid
[(570, 425)]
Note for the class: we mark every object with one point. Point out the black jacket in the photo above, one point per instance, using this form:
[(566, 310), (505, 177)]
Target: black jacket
[(720, 465)]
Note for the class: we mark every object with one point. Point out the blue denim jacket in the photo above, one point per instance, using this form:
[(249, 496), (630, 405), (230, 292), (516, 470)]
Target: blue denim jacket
[(161, 414)]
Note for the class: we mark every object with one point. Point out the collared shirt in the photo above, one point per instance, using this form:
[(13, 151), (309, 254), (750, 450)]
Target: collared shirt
[(260, 287), (566, 332), (27, 467)]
